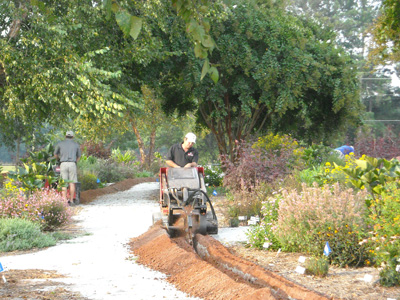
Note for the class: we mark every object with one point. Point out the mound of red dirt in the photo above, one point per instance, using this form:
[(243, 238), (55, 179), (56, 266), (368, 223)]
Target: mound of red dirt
[(220, 275), (90, 195)]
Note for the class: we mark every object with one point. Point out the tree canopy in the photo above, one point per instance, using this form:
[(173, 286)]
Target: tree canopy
[(277, 72), (386, 32)]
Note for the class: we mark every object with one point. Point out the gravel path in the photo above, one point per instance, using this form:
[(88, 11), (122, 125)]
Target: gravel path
[(98, 265)]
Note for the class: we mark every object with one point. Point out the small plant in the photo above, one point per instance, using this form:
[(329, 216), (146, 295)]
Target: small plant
[(123, 157), (213, 176), (263, 234), (318, 266), (307, 176), (88, 182), (384, 242), (315, 155), (96, 149), (20, 234)]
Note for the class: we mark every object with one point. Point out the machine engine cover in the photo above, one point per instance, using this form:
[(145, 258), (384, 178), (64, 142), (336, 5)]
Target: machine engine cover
[(179, 178)]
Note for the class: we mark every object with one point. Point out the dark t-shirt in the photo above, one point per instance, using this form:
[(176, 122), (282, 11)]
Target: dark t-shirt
[(178, 155), (68, 150)]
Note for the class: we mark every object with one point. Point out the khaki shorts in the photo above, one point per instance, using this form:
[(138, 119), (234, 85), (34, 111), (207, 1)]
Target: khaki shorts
[(68, 171)]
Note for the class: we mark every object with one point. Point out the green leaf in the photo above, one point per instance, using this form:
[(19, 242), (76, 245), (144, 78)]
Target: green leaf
[(115, 7), (205, 69), (107, 6), (136, 26), (208, 42), (124, 21), (198, 50), (214, 74), (206, 25)]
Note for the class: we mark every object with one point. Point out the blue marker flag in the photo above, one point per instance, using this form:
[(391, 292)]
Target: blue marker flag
[(215, 193), (1, 268), (327, 249)]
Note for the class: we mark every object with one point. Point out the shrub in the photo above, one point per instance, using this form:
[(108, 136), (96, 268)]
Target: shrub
[(247, 203), (318, 266), (20, 234), (263, 233), (91, 148), (126, 157), (307, 220), (307, 176), (88, 182), (385, 239), (386, 147), (315, 155), (268, 159), (110, 171), (45, 207), (213, 176)]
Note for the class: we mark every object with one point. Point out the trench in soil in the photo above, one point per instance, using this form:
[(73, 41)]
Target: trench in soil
[(210, 271)]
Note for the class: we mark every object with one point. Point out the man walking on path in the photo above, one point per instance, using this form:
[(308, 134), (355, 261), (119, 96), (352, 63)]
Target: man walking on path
[(69, 153), (183, 155)]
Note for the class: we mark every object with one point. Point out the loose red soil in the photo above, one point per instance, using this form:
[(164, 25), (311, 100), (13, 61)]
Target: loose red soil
[(220, 275)]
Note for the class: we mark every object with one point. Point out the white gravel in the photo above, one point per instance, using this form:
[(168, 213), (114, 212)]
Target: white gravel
[(98, 265)]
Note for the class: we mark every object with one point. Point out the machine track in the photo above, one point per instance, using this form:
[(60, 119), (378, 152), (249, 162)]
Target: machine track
[(209, 271)]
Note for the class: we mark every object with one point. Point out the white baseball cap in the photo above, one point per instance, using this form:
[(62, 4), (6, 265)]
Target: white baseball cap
[(191, 137)]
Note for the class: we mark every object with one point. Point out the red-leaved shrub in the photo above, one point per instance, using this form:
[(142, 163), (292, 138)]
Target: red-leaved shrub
[(268, 159), (387, 147)]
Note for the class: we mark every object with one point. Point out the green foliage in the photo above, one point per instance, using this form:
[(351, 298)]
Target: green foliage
[(385, 239), (213, 176), (219, 189), (110, 171), (281, 73), (318, 266), (37, 170), (142, 174), (63, 42), (20, 234), (315, 155), (106, 170), (367, 173), (262, 235), (345, 244), (123, 157), (389, 276), (307, 176), (385, 32), (85, 162), (373, 174), (88, 181)]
